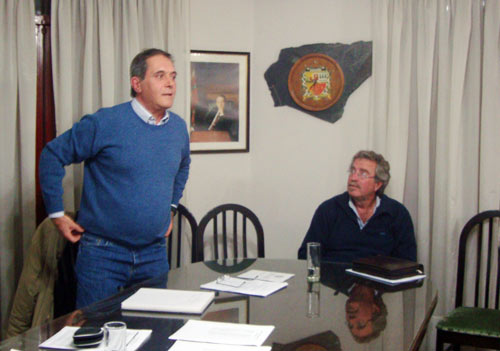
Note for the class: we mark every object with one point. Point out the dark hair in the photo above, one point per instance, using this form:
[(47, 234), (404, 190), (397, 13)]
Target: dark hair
[(382, 173), (138, 67)]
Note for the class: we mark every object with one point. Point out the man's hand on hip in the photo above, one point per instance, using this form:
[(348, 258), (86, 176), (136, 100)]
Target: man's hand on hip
[(68, 228), (169, 230)]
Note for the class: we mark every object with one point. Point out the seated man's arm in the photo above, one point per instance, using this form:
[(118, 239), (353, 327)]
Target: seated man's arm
[(406, 246), (314, 233)]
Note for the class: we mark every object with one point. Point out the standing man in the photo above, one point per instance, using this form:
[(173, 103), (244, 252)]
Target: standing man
[(363, 222), (136, 163)]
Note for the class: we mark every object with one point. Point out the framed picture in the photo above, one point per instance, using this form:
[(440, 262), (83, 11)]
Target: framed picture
[(219, 119)]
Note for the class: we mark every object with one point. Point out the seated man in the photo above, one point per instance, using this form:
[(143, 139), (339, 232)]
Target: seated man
[(362, 222)]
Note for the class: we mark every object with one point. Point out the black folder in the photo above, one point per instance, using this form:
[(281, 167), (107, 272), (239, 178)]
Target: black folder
[(387, 267)]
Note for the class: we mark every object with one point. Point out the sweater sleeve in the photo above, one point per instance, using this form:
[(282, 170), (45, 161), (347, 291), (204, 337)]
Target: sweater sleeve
[(314, 233), (183, 173), (406, 246), (73, 146)]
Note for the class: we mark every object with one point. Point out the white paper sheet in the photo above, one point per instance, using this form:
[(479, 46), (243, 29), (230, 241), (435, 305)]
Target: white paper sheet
[(255, 274), (63, 340), (247, 287), (385, 280), (223, 333), (202, 346)]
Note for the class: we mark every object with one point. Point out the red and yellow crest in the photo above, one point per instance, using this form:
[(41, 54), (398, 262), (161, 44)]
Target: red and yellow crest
[(316, 82)]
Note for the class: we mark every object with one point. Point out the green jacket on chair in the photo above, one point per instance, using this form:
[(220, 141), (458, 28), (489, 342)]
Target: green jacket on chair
[(34, 300)]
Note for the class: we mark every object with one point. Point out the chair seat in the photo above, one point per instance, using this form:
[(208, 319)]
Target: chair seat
[(472, 321)]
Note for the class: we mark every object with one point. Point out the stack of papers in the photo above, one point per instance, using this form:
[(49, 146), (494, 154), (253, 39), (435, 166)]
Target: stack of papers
[(386, 280), (254, 282), (203, 335), (63, 340), (202, 346), (266, 276), (166, 300)]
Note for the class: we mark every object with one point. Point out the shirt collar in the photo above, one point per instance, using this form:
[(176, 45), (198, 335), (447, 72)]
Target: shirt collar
[(360, 222), (147, 116)]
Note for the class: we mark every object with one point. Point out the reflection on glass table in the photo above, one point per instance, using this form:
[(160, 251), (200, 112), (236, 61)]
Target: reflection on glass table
[(353, 313)]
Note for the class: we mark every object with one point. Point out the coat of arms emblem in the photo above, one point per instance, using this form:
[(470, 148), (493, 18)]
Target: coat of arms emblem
[(316, 82)]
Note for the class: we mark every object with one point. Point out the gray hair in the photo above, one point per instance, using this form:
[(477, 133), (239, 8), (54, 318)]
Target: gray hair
[(382, 173), (379, 321), (138, 67)]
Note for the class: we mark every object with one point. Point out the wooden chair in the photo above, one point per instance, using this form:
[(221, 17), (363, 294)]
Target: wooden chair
[(419, 338), (182, 217), (478, 325), (229, 223)]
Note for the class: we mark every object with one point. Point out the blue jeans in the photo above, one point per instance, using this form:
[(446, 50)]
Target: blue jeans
[(104, 267)]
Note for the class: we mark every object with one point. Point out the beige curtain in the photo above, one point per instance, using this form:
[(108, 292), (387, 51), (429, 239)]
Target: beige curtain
[(17, 142), (434, 113), (93, 43), (489, 164)]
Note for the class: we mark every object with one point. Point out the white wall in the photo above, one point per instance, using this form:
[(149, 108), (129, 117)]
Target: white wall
[(296, 161)]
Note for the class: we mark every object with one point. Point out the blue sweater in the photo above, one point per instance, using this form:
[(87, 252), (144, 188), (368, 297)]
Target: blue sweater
[(388, 232), (133, 172)]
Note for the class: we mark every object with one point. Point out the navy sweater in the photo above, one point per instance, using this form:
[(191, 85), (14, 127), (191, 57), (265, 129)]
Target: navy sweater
[(133, 172), (388, 232)]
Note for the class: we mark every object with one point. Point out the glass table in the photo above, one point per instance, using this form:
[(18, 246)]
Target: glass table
[(341, 312)]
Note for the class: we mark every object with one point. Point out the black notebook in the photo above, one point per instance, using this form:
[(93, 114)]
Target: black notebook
[(387, 267)]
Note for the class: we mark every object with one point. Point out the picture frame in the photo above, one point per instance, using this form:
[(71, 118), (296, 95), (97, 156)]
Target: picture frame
[(219, 101)]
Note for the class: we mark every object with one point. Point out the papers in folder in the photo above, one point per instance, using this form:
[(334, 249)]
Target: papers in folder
[(63, 340), (386, 280), (266, 276), (167, 300), (223, 333), (244, 286), (203, 346)]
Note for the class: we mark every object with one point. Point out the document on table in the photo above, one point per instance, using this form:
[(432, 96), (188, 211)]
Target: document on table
[(223, 333), (63, 340), (203, 346), (244, 286), (385, 280), (168, 300), (267, 276)]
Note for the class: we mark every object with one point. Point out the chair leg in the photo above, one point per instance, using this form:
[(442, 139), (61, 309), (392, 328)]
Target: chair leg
[(439, 341)]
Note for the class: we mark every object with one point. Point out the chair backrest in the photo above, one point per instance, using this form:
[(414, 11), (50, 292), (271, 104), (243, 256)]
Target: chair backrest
[(175, 239), (482, 232), (230, 224)]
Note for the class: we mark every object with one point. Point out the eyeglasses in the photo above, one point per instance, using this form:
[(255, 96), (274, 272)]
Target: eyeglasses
[(361, 174)]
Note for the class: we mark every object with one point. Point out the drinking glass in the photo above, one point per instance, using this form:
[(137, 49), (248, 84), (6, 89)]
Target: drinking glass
[(313, 299), (116, 336), (313, 261)]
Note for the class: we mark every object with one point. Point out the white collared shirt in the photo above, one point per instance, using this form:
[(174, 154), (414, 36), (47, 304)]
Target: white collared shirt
[(360, 222), (147, 116)]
